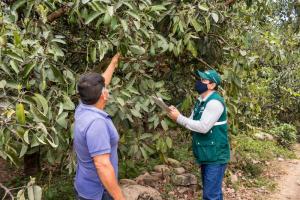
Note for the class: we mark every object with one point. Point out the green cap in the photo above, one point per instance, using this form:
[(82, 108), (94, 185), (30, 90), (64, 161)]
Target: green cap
[(211, 75)]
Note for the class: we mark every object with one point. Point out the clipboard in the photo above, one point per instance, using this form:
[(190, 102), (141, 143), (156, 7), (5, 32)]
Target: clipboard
[(158, 101)]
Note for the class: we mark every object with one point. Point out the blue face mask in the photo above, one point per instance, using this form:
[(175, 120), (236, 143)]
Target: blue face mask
[(200, 87)]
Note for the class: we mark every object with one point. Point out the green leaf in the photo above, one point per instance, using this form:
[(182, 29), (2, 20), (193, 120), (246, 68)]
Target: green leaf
[(21, 195), (169, 142), (158, 8), (122, 91), (92, 17), (18, 4), (191, 47), (147, 148), (23, 150), (93, 54), (37, 192), (52, 143), (133, 90), (196, 25), (145, 136), (203, 7), (58, 41), (5, 69), (14, 66), (42, 102), (243, 52), (14, 56), (133, 15), (20, 113), (25, 137), (121, 101), (110, 10), (156, 122), (128, 5), (30, 193), (2, 84), (207, 24), (124, 25), (215, 17), (34, 142), (41, 126), (137, 24), (135, 113), (114, 23), (164, 125), (137, 50), (28, 68), (38, 116), (61, 120), (144, 153), (56, 51), (68, 104), (107, 18), (58, 75)]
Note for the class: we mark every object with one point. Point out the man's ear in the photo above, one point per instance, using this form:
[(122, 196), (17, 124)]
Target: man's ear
[(105, 94)]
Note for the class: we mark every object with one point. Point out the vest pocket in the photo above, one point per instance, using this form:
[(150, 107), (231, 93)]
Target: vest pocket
[(206, 151)]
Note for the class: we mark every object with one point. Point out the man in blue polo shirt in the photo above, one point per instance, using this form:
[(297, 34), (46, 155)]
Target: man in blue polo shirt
[(96, 140)]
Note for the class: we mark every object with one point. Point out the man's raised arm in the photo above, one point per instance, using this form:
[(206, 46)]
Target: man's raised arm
[(111, 68)]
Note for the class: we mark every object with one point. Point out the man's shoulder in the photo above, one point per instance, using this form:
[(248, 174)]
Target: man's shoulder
[(87, 118)]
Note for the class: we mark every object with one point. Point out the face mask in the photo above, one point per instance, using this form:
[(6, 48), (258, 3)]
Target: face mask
[(200, 87)]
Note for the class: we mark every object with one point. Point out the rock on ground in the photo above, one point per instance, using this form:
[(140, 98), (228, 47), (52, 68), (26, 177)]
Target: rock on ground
[(139, 192)]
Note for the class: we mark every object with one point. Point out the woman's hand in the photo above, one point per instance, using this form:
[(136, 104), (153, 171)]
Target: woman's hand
[(173, 113)]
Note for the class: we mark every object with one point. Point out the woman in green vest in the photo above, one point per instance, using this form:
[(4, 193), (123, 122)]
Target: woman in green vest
[(208, 123)]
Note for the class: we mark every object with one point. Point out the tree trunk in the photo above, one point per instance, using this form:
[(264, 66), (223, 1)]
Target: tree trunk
[(32, 163)]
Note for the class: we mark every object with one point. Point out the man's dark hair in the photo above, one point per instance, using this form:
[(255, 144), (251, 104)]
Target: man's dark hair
[(90, 87)]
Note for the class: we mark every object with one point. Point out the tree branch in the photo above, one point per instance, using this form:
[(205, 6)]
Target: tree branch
[(205, 63), (7, 191), (58, 13), (229, 2)]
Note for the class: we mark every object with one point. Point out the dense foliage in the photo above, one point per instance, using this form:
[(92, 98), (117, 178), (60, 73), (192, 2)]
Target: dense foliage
[(46, 45)]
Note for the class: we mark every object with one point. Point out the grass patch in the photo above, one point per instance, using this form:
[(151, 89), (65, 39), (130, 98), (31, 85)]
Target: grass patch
[(59, 186), (261, 182), (261, 150)]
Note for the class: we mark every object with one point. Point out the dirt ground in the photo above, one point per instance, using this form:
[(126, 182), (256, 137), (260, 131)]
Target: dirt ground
[(5, 172), (289, 182), (286, 175)]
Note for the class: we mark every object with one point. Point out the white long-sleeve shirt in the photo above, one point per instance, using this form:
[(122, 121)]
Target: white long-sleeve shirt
[(210, 116)]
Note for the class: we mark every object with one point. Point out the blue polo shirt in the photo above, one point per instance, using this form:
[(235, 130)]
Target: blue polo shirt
[(94, 134)]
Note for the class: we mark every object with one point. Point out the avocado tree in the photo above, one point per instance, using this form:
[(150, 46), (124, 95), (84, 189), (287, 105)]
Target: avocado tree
[(47, 45)]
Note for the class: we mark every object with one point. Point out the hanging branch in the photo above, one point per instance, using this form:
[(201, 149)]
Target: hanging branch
[(205, 63), (58, 13)]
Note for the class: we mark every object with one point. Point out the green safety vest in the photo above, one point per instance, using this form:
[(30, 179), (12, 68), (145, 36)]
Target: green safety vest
[(213, 146)]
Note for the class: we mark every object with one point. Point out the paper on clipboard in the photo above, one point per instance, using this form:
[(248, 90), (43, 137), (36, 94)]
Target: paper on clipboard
[(161, 103)]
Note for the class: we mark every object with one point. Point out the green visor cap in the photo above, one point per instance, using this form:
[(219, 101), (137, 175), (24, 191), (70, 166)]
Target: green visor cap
[(211, 75)]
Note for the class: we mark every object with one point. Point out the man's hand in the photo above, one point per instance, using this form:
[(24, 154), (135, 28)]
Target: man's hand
[(173, 113), (115, 59)]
